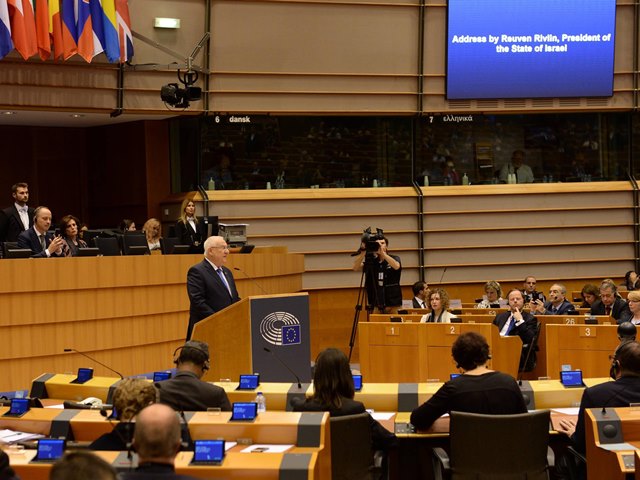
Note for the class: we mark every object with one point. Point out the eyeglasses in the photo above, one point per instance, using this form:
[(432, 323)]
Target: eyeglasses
[(225, 247)]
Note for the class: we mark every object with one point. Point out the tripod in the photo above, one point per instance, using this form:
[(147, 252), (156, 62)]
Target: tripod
[(367, 278)]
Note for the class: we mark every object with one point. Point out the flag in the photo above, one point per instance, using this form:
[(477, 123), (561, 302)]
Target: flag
[(85, 30), (98, 28), (69, 31), (23, 33), (6, 45), (110, 26), (290, 334), (42, 29), (55, 28), (124, 31)]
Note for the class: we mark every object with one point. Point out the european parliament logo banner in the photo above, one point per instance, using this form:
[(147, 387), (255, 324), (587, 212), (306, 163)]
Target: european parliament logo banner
[(281, 325)]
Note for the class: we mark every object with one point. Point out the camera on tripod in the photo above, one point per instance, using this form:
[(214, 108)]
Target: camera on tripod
[(370, 240)]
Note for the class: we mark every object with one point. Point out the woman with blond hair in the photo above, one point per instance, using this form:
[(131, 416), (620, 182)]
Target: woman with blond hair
[(153, 231), (189, 230)]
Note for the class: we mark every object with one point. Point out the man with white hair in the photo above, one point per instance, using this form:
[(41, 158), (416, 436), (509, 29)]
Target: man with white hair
[(210, 284)]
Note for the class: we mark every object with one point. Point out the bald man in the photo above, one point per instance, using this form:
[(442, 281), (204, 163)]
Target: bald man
[(210, 284), (157, 443)]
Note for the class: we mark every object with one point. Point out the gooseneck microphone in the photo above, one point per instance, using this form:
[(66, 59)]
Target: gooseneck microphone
[(442, 276), (268, 350), (94, 360), (252, 279)]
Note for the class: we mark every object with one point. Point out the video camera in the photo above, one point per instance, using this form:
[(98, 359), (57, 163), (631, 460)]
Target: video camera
[(370, 240)]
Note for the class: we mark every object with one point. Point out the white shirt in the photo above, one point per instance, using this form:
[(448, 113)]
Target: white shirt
[(24, 215)]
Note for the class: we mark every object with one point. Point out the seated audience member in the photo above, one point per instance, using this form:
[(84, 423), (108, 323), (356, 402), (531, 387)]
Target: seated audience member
[(529, 291), (627, 332), (589, 293), (131, 396), (69, 226), (420, 293), (127, 225), (81, 465), (333, 392), (153, 232), (557, 304), (610, 304), (188, 229), (439, 303), (625, 370), (38, 239), (523, 172), (517, 322), (185, 391), (6, 472), (631, 281), (477, 390), (493, 293), (633, 300), (157, 442)]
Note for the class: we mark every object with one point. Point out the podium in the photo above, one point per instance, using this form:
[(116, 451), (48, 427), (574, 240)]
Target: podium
[(239, 334)]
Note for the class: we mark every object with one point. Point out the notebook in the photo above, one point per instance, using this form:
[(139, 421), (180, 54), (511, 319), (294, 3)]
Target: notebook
[(244, 411), (19, 406), (208, 452), (357, 382), (49, 450), (571, 378), (249, 382), (84, 375)]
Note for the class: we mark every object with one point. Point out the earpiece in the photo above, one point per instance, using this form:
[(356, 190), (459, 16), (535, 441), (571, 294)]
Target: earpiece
[(615, 368), (205, 366)]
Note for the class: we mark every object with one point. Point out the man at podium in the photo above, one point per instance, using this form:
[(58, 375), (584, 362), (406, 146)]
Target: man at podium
[(210, 284)]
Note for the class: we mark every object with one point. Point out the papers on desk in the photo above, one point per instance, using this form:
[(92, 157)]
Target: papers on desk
[(229, 445), (567, 411), (11, 436), (265, 448), (382, 416)]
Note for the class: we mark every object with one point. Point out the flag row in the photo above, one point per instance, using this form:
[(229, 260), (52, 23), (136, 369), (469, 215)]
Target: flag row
[(64, 28)]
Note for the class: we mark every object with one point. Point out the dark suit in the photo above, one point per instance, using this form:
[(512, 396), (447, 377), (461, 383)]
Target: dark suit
[(29, 239), (417, 305), (186, 392), (11, 225), (620, 393), (619, 310), (207, 292), (154, 471), (526, 331), (565, 308), (188, 236)]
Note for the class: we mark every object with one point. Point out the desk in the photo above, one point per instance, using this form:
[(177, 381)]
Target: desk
[(417, 352), (52, 385), (295, 465)]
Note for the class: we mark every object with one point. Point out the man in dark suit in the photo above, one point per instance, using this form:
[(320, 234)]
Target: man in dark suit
[(185, 391), (610, 304), (38, 239), (420, 292), (18, 217), (625, 369), (157, 442), (210, 284), (557, 304), (523, 324)]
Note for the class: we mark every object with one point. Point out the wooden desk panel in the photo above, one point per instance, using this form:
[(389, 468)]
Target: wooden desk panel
[(128, 312)]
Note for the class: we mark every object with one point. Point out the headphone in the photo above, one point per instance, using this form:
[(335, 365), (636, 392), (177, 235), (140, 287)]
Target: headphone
[(614, 370), (205, 366)]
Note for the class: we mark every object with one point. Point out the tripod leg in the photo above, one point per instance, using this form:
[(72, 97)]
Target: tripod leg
[(362, 294)]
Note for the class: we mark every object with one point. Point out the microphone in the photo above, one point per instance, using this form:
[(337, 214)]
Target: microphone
[(251, 278), (94, 360), (442, 276), (284, 364), (532, 344)]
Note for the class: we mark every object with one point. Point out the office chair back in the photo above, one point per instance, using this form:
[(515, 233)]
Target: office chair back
[(351, 449), (136, 240), (499, 446), (108, 246)]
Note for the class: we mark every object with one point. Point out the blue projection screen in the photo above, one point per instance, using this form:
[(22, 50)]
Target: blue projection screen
[(530, 48)]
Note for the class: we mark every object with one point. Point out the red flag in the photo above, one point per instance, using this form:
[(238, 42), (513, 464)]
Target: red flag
[(23, 27), (42, 29), (55, 28)]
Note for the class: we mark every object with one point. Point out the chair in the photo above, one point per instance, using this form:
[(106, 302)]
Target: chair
[(351, 449), (108, 246), (495, 447)]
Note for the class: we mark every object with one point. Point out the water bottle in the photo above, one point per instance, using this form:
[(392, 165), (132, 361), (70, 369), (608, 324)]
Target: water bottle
[(465, 179), (212, 184), (262, 402)]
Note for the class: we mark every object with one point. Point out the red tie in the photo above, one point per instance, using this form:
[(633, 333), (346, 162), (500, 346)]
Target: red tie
[(607, 310)]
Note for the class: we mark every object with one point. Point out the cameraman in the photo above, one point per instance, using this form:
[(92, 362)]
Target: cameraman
[(382, 277)]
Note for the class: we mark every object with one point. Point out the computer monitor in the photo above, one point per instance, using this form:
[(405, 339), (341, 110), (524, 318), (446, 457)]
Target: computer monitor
[(211, 225)]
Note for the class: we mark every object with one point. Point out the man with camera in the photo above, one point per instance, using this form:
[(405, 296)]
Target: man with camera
[(381, 271), (530, 294)]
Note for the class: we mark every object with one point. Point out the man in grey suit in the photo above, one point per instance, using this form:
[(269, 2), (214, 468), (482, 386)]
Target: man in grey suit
[(210, 284)]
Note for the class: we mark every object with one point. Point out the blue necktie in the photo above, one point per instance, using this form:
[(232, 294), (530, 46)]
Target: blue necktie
[(512, 325), (224, 279)]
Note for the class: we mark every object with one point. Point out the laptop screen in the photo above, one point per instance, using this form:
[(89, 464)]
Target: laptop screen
[(249, 382), (19, 406), (454, 375), (357, 382), (208, 450), (84, 375), (244, 411), (159, 376), (571, 378), (50, 449)]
